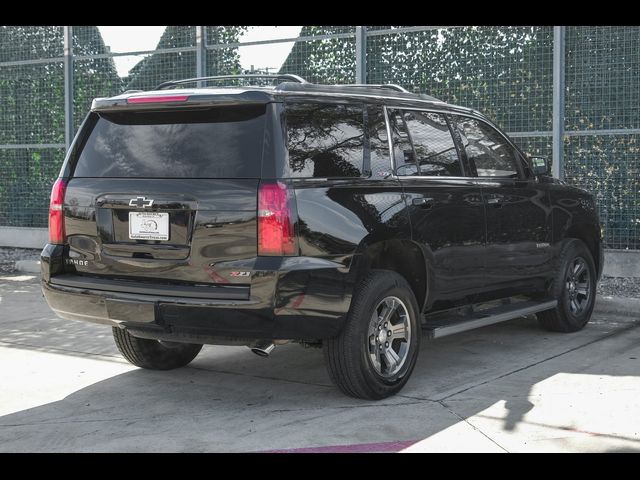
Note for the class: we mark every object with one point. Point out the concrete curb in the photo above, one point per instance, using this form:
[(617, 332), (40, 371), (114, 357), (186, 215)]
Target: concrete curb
[(28, 266), (625, 306), (622, 263), (23, 237)]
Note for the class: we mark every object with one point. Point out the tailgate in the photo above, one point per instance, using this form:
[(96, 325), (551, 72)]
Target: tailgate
[(163, 196), (215, 221)]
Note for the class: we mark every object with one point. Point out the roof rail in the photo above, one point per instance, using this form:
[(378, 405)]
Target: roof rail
[(391, 86), (282, 76)]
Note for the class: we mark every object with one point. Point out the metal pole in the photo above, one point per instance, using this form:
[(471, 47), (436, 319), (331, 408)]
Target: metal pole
[(558, 102), (201, 54), (361, 54), (68, 87)]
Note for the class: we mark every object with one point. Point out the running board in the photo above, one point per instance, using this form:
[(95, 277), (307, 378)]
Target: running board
[(481, 318)]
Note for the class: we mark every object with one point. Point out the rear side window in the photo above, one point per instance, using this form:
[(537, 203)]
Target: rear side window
[(326, 140), (221, 142)]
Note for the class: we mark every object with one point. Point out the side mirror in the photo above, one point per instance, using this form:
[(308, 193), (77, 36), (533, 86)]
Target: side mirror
[(540, 166)]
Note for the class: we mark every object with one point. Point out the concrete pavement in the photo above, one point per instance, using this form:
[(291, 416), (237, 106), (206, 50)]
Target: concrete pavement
[(508, 387)]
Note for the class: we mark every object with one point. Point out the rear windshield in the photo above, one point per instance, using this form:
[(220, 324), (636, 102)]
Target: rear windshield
[(221, 142)]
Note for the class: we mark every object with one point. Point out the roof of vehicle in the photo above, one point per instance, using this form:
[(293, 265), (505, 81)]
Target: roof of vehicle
[(170, 94)]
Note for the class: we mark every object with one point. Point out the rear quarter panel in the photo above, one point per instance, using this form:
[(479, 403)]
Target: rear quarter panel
[(337, 221)]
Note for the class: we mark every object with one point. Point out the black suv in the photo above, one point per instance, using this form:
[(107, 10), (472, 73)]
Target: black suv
[(356, 218)]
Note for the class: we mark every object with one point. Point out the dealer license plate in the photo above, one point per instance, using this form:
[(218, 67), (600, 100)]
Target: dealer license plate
[(148, 226)]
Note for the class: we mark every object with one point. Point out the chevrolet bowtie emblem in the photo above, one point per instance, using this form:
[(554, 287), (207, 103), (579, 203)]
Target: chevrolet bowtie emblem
[(141, 202)]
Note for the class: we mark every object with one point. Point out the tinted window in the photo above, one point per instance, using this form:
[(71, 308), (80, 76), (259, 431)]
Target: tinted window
[(325, 140), (224, 142), (379, 161), (487, 150), (403, 154), (435, 151)]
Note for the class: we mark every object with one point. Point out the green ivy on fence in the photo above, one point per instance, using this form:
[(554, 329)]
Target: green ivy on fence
[(506, 72)]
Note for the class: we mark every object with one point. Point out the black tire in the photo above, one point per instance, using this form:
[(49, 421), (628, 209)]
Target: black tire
[(565, 318), (153, 354), (348, 356)]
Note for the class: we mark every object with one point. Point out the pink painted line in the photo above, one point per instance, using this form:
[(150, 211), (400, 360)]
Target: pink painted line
[(358, 448)]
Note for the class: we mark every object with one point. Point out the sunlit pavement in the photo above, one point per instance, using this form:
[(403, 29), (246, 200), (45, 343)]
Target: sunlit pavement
[(510, 387)]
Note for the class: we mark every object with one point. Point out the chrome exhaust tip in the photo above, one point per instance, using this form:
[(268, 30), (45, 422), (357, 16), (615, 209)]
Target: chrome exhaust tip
[(263, 349)]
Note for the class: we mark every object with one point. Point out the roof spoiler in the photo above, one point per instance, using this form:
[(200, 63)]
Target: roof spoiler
[(277, 76)]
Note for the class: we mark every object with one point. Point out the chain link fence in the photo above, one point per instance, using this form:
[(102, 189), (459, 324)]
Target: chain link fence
[(506, 72)]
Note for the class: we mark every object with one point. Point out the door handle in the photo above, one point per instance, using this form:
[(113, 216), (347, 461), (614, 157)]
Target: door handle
[(496, 201), (422, 202)]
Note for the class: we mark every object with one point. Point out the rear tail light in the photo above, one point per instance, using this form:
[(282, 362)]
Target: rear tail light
[(276, 234), (56, 213)]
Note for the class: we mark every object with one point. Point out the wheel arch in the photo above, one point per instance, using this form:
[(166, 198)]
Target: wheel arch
[(590, 235), (403, 256)]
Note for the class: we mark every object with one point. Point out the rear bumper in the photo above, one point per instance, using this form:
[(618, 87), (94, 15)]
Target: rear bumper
[(289, 298)]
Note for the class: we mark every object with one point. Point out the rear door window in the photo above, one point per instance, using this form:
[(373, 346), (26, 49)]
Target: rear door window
[(403, 153), (326, 140), (434, 151), (378, 143), (221, 142)]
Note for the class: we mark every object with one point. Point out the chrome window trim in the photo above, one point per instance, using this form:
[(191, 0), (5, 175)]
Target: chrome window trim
[(435, 178)]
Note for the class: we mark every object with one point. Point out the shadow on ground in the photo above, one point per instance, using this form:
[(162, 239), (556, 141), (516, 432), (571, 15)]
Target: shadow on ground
[(506, 387)]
